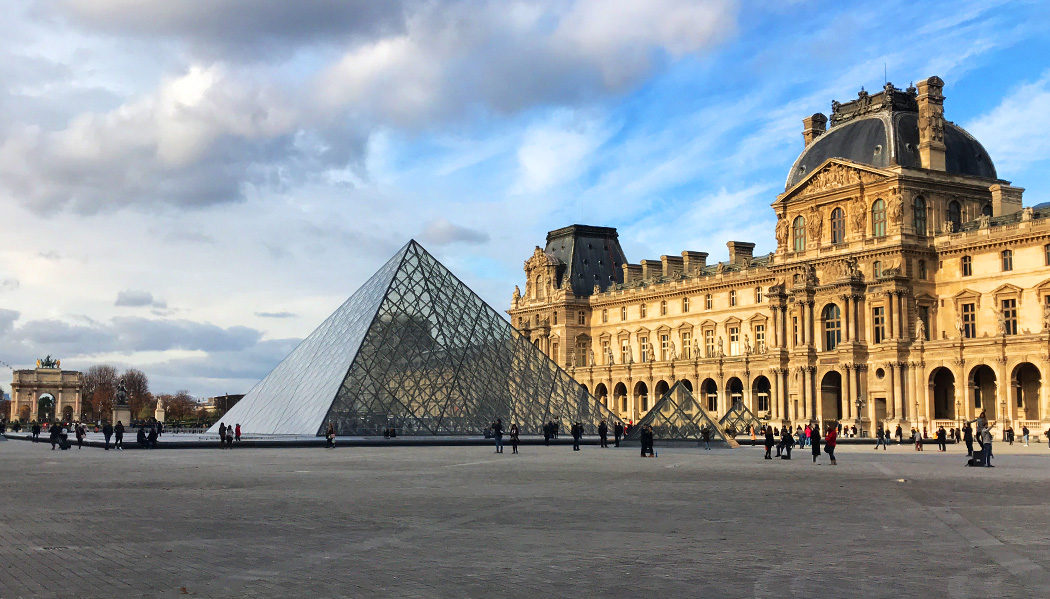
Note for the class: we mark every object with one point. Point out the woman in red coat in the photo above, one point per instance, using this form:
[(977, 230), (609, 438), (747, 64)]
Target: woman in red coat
[(829, 443)]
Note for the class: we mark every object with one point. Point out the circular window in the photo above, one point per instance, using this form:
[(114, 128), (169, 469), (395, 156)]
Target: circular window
[(880, 373)]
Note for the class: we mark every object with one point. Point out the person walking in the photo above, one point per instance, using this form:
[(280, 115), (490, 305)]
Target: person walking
[(899, 433), (577, 432), (767, 431), (603, 434), (880, 439), (617, 433), (118, 436), (1024, 434), (942, 439), (54, 437), (514, 438), (809, 435), (967, 435), (36, 432), (81, 431), (801, 437), (786, 442), (329, 436), (986, 444), (829, 444), (647, 441), (917, 437), (107, 432), (497, 433), (237, 432), (705, 434), (222, 435), (814, 440)]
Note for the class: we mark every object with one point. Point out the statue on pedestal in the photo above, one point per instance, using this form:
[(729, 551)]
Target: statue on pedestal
[(122, 394)]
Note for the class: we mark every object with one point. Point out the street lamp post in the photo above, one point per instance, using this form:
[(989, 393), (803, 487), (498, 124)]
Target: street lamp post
[(860, 415), (918, 422), (958, 415), (1002, 417)]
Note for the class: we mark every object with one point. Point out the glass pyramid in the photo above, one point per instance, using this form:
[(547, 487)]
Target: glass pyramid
[(739, 420), (677, 416), (415, 349)]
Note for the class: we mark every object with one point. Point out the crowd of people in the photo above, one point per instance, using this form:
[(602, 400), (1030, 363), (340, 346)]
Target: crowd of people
[(229, 434)]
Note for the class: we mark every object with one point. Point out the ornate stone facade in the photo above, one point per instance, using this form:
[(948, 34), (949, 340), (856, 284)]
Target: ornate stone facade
[(45, 393), (907, 289)]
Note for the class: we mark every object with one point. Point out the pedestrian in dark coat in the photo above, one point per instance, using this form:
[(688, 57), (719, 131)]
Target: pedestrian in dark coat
[(942, 439), (36, 432), (786, 442), (814, 439), (54, 437), (768, 430), (118, 436), (547, 434), (140, 437), (577, 433), (617, 433), (80, 430), (222, 435), (107, 432), (514, 438), (603, 434), (152, 436)]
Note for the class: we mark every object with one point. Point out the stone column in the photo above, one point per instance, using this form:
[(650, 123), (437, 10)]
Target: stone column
[(894, 399), (858, 316), (774, 395), (802, 394), (845, 318), (809, 323), (891, 320), (905, 318), (851, 372), (815, 407), (847, 394)]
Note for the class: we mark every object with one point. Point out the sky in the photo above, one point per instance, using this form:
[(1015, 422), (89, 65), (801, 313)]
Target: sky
[(191, 187)]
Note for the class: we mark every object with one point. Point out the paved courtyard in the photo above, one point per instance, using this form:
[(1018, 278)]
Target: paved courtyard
[(463, 522)]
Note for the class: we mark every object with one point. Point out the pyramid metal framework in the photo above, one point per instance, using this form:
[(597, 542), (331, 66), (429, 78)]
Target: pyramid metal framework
[(740, 419), (415, 349), (678, 416)]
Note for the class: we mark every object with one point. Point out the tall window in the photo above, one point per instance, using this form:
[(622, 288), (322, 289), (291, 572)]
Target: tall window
[(799, 234), (876, 269), (1010, 315), (687, 345), (625, 352), (878, 218), (606, 349), (955, 215), (663, 307), (1046, 254), (758, 295), (641, 310), (922, 269), (838, 226), (832, 326), (581, 317), (732, 298), (734, 341), (967, 266), (709, 343), (919, 215), (760, 336), (554, 318), (969, 320), (685, 305), (623, 313), (708, 301), (554, 351), (664, 346), (605, 316), (643, 345), (878, 321), (1008, 260), (794, 329)]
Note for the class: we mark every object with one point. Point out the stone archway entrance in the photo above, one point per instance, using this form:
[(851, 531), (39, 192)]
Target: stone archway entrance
[(660, 390), (831, 396), (942, 391), (734, 393), (1026, 386), (602, 394), (709, 390), (641, 398), (45, 408), (982, 391)]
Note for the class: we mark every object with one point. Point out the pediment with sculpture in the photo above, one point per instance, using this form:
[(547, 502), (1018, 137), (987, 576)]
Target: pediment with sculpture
[(833, 174)]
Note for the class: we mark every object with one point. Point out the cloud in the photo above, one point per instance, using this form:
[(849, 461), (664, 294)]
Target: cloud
[(275, 314), (133, 297), (442, 232), (9, 284), (1016, 133)]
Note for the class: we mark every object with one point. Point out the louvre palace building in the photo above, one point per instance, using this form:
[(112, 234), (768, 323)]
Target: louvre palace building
[(909, 286)]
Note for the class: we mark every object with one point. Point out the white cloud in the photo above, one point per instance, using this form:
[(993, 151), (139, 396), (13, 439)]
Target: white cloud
[(442, 232), (1016, 133)]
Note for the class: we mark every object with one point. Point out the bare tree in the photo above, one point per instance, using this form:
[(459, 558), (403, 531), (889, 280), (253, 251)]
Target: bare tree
[(179, 406), (100, 387), (140, 401)]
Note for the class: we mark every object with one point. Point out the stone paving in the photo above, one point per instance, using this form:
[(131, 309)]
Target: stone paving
[(463, 522)]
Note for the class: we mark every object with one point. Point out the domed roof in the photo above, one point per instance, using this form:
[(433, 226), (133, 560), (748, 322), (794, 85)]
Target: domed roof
[(891, 138)]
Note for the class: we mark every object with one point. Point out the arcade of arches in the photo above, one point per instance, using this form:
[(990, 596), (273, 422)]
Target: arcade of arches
[(46, 393), (910, 289)]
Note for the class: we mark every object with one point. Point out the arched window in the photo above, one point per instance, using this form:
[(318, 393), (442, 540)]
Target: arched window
[(986, 210), (838, 226), (832, 326), (799, 233), (919, 215), (955, 215), (537, 289), (878, 218)]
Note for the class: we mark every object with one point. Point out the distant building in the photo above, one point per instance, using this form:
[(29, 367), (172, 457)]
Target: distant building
[(909, 286), (221, 403), (46, 392)]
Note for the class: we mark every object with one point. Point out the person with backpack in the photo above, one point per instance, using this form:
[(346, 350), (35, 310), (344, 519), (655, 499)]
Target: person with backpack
[(829, 444)]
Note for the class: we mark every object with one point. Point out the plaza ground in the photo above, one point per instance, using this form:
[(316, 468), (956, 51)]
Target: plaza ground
[(464, 522)]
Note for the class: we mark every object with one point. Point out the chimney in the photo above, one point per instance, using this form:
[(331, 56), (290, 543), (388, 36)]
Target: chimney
[(694, 262), (931, 123), (672, 265), (632, 273), (651, 269), (740, 251), (814, 126), (1005, 199)]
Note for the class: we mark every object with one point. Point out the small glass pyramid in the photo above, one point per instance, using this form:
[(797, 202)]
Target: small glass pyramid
[(677, 416), (415, 349), (739, 420)]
